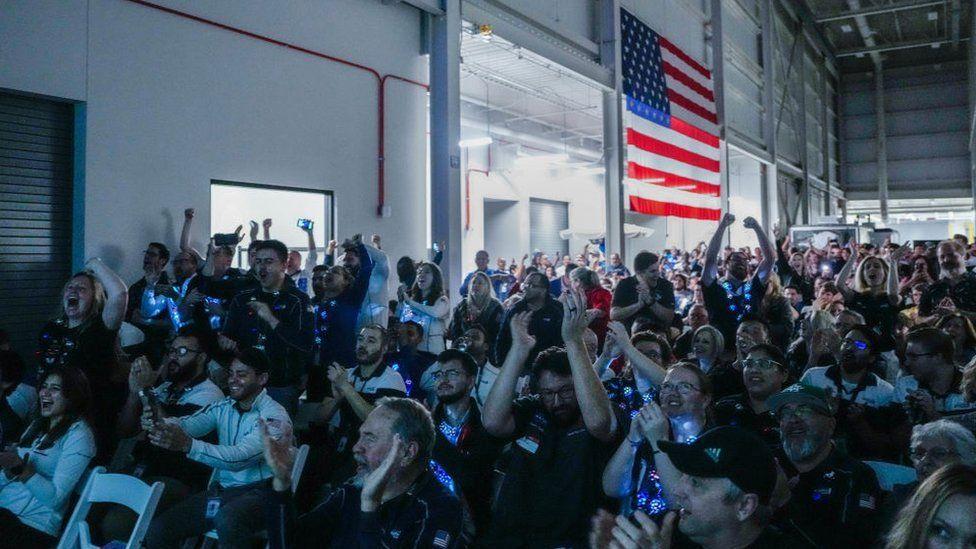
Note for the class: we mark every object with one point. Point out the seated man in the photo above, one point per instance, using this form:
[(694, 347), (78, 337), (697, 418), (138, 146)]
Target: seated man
[(393, 501), (186, 390), (836, 498), (464, 450), (933, 387), (764, 373), (563, 438), (234, 504)]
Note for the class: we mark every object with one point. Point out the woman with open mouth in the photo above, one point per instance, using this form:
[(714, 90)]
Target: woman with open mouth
[(40, 476), (84, 336), (874, 290)]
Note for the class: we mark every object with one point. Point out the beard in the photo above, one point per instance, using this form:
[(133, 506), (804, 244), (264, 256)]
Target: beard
[(181, 374), (452, 397), (800, 451), (366, 358), (850, 364)]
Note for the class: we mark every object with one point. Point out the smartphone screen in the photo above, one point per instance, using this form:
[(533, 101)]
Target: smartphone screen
[(305, 224)]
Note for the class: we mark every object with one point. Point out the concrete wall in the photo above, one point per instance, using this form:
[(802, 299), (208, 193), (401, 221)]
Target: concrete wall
[(172, 103)]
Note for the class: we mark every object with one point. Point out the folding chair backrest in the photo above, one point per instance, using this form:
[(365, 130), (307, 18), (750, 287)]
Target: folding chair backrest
[(112, 488), (298, 467)]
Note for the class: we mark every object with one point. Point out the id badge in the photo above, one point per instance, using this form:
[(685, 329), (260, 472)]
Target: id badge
[(213, 507), (528, 443)]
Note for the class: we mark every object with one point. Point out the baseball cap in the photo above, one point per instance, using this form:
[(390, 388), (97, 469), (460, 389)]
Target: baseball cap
[(727, 452), (256, 359), (799, 393)]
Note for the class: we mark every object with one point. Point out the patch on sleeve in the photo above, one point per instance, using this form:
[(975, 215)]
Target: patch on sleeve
[(867, 501), (442, 539)]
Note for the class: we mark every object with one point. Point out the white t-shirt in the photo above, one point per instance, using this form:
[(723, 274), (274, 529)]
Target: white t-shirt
[(876, 393), (388, 379)]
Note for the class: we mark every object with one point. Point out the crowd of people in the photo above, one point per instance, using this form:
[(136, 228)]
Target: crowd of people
[(777, 396)]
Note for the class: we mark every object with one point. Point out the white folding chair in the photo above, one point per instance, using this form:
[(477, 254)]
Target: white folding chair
[(105, 487), (296, 474), (890, 474)]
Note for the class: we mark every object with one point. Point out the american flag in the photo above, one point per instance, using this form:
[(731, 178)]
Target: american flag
[(672, 128)]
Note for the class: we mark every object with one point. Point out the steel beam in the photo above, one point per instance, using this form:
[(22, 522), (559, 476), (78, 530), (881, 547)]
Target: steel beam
[(445, 131), (872, 50), (878, 10), (613, 149), (881, 142)]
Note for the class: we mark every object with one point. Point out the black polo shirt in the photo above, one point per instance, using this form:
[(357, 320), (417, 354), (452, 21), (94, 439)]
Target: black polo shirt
[(625, 295), (467, 453), (837, 503), (736, 410), (551, 485), (962, 294)]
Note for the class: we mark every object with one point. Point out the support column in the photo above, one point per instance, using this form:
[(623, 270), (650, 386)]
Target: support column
[(613, 152), (445, 131), (881, 142), (717, 50)]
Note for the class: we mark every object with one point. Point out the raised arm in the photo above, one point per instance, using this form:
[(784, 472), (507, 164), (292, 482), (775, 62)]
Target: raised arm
[(594, 403), (845, 273), (893, 260), (710, 268), (768, 249), (116, 293), (266, 224), (185, 234), (644, 366), (497, 413), (312, 259)]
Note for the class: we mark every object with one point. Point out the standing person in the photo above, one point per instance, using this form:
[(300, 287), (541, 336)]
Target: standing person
[(154, 324), (427, 305), (598, 300), (40, 476), (940, 513), (464, 449), (616, 268), (478, 308), (777, 312), (568, 427), (955, 289), (241, 477), (339, 296), (545, 319), (646, 295), (734, 296), (836, 498), (475, 343), (874, 293), (275, 318), (481, 260), (375, 307), (93, 303)]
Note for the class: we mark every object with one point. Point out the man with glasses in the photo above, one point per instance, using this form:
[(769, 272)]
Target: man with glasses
[(866, 414), (186, 390), (835, 497), (563, 437), (464, 450), (545, 319), (764, 374), (932, 388), (648, 355)]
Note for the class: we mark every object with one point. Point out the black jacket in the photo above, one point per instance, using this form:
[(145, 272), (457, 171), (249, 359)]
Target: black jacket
[(546, 325), (289, 346)]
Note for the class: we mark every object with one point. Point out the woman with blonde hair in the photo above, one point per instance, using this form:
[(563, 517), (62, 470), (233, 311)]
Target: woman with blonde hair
[(874, 290), (479, 308), (940, 512), (775, 310)]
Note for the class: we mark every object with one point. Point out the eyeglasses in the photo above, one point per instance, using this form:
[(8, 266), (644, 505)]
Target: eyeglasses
[(800, 412), (564, 394), (182, 351), (935, 454), (858, 344), (448, 374), (681, 387), (762, 364)]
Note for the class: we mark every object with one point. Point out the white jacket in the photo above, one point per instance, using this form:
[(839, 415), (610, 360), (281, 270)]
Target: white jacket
[(375, 309), (238, 455), (41, 501)]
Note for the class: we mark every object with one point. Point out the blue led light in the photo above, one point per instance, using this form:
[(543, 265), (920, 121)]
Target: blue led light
[(442, 476)]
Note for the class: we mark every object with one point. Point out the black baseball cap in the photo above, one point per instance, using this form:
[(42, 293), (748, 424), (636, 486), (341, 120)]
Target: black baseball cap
[(727, 452), (255, 358)]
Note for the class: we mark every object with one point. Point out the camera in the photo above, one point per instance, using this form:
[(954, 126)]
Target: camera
[(225, 239), (305, 224)]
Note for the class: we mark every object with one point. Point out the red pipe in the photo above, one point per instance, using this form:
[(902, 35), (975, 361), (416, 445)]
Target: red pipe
[(381, 80), (467, 186)]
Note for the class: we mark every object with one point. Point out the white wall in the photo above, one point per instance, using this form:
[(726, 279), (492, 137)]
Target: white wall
[(172, 103), (584, 193)]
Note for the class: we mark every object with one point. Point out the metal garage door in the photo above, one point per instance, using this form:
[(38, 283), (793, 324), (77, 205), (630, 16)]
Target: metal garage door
[(35, 213), (546, 219)]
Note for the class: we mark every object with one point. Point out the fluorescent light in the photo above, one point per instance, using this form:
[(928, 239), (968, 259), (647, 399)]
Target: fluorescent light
[(475, 142), (933, 16), (846, 28), (544, 158)]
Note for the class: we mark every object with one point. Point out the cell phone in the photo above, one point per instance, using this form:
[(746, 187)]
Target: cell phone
[(436, 247), (225, 239), (305, 224)]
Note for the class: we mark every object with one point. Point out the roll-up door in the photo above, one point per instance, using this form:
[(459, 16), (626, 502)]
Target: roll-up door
[(35, 213), (547, 218)]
